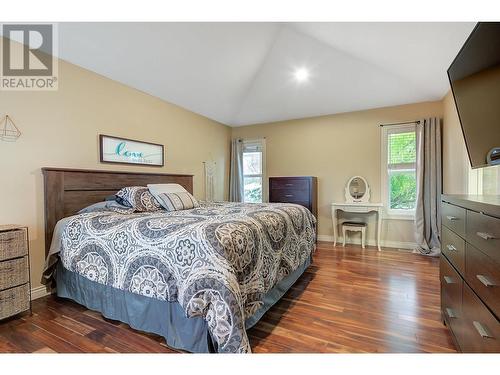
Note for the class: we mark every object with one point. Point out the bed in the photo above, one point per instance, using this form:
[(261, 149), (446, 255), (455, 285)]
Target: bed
[(200, 277)]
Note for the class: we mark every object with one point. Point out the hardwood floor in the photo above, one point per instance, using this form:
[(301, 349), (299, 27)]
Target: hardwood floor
[(350, 300)]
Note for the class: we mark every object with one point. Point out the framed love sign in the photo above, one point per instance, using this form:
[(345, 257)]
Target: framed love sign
[(129, 151)]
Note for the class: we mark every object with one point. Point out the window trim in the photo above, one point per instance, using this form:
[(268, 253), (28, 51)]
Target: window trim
[(388, 213), (262, 143)]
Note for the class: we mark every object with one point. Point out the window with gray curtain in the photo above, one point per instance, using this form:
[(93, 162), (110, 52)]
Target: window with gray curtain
[(253, 171), (247, 174), (399, 186)]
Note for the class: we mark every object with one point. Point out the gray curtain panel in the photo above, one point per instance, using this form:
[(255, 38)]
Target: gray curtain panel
[(236, 171), (429, 187)]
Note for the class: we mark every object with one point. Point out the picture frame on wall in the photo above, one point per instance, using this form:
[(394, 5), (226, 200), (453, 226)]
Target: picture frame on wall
[(118, 150)]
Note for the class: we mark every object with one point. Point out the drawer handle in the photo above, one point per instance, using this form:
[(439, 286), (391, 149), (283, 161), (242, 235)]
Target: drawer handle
[(485, 236), (288, 184), (450, 313), (481, 330), (485, 280), (7, 240), (451, 248), (448, 279), (289, 195), (452, 218)]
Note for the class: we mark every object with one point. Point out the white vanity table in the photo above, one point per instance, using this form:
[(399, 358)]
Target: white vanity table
[(363, 208), (357, 200)]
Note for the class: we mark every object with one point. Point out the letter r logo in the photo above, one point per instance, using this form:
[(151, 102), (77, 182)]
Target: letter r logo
[(27, 50)]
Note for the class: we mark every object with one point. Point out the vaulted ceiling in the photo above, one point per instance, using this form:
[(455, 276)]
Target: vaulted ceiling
[(243, 73)]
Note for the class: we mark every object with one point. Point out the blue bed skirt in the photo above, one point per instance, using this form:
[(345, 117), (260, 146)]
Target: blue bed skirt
[(147, 314)]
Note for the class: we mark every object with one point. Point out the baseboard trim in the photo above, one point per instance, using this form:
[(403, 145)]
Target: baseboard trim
[(383, 243), (39, 292)]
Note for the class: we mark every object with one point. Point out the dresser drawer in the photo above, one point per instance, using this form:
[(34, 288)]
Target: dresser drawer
[(13, 244), (451, 297), (453, 217), (453, 248), (289, 183), (484, 233), (14, 301), (289, 195), (483, 275), (451, 282), (481, 331), (13, 272)]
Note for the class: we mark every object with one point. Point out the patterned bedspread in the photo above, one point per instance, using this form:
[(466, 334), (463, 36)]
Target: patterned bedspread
[(217, 261)]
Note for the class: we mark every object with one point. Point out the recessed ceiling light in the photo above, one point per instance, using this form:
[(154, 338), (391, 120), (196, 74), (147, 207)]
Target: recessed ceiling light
[(301, 74)]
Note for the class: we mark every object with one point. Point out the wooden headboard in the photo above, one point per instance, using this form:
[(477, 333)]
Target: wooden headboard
[(69, 190)]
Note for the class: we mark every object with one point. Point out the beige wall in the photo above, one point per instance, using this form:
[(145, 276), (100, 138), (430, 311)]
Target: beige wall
[(334, 148), (60, 129), (456, 164)]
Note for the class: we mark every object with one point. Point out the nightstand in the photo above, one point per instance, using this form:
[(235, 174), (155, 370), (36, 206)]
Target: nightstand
[(15, 283)]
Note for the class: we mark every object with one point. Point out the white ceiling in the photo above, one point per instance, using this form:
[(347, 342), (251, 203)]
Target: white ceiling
[(242, 73)]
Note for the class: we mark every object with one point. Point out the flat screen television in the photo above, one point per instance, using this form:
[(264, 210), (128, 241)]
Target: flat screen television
[(475, 81)]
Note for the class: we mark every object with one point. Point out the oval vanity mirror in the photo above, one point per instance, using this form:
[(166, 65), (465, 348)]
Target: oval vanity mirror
[(357, 190)]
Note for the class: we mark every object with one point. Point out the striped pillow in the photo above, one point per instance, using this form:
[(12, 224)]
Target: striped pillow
[(177, 201)]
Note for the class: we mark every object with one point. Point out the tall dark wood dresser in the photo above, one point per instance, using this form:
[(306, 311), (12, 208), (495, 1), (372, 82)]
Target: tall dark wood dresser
[(300, 190), (470, 271)]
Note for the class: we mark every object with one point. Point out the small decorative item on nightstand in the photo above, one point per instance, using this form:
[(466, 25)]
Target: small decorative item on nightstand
[(15, 284)]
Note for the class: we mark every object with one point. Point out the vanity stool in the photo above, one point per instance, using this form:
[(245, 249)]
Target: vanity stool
[(354, 227)]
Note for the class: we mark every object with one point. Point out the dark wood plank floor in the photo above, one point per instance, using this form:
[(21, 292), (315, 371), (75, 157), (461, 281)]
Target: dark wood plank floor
[(350, 300)]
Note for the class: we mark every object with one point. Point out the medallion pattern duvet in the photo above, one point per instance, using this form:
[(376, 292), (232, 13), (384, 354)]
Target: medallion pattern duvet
[(217, 261)]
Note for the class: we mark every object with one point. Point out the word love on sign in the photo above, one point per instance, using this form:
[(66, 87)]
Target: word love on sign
[(129, 151)]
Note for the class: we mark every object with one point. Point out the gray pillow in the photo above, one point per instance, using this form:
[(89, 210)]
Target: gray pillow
[(106, 206), (99, 206)]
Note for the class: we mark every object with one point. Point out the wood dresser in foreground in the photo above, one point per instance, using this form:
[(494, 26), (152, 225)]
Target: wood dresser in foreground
[(470, 271), (299, 190), (15, 289)]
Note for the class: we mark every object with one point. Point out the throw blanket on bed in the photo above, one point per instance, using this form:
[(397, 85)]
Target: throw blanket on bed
[(217, 261)]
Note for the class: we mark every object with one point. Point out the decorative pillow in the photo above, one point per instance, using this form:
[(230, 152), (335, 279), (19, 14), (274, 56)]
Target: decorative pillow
[(120, 203), (139, 198), (157, 189), (178, 201)]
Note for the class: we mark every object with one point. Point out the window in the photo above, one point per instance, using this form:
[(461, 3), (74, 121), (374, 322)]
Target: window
[(399, 178), (253, 171)]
